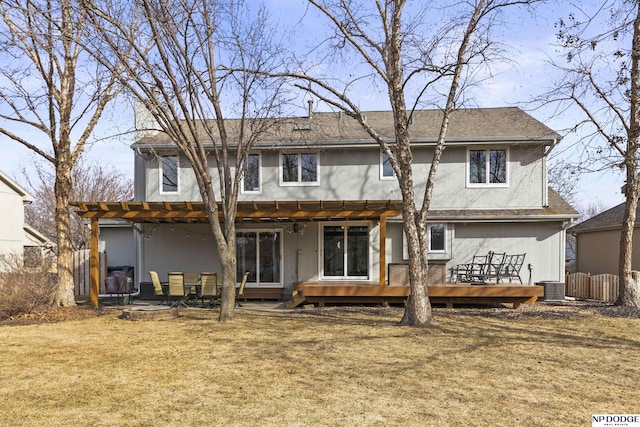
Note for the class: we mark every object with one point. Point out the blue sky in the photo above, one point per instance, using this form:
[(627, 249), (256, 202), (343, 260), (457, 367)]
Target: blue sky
[(516, 83)]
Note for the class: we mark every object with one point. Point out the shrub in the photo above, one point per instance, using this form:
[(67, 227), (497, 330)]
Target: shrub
[(25, 289)]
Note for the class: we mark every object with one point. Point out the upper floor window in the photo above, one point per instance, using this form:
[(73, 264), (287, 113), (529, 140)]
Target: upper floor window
[(299, 168), (251, 178), (437, 241), (169, 174), (487, 167), (386, 170)]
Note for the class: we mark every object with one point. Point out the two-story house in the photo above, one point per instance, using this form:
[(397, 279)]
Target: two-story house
[(17, 237), (319, 201)]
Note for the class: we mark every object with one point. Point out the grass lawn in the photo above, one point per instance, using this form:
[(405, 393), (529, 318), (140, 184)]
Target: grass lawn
[(337, 367)]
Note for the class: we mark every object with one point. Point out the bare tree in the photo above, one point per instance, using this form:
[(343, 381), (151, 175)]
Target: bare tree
[(51, 93), (91, 182), (177, 50), (563, 178), (602, 79), (422, 57)]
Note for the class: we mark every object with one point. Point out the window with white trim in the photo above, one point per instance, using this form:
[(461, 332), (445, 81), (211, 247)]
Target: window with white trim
[(299, 168), (437, 237), (252, 176), (487, 167), (386, 170), (169, 174)]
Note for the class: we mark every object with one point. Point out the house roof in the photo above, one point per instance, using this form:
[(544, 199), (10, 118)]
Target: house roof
[(26, 197), (558, 209), (479, 125), (609, 219)]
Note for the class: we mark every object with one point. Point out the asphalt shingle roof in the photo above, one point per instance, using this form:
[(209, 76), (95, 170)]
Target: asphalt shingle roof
[(508, 123), (608, 219)]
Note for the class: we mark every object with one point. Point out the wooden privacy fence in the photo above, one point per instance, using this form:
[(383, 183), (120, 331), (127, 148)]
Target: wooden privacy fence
[(82, 274), (603, 287)]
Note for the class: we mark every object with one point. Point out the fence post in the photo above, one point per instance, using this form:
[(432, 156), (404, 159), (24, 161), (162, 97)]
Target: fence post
[(588, 286)]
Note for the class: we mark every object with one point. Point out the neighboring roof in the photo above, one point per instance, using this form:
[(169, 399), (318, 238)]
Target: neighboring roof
[(26, 197), (509, 124), (609, 219), (33, 237)]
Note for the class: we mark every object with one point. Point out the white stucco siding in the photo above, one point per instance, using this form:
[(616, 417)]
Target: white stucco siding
[(541, 241), (524, 188), (354, 174), (178, 247), (119, 244)]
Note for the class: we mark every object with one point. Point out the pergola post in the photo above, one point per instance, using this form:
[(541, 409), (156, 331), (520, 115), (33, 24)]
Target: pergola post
[(383, 249), (94, 263)]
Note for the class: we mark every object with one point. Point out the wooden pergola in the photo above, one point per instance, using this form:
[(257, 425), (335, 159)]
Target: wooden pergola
[(257, 211)]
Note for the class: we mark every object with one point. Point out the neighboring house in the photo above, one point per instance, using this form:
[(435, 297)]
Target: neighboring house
[(319, 201), (16, 237), (598, 242)]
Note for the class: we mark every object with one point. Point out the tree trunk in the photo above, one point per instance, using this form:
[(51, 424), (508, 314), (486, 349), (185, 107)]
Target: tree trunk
[(630, 288), (228, 300), (417, 310), (63, 187)]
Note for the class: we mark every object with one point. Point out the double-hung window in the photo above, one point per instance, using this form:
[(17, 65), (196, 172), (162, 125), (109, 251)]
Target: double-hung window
[(251, 178), (487, 167), (299, 169), (169, 174), (386, 171), (437, 240)]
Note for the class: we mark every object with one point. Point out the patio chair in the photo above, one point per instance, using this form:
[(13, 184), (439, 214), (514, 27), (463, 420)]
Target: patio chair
[(511, 267), (240, 291), (473, 271), (209, 288), (494, 267), (191, 282), (176, 289), (157, 288)]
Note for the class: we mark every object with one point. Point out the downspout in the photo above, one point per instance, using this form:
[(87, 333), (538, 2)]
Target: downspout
[(563, 249)]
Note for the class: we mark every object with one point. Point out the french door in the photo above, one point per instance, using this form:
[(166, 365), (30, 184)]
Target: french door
[(345, 251), (259, 253)]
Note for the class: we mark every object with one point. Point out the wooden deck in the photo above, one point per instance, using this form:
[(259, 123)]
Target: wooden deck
[(449, 294)]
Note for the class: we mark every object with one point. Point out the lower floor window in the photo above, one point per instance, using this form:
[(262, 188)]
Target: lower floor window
[(259, 253), (345, 251), (436, 238)]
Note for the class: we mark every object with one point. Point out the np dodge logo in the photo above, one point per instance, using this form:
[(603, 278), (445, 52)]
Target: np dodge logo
[(611, 420)]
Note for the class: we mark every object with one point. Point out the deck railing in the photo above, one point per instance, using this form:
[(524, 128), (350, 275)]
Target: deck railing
[(603, 287)]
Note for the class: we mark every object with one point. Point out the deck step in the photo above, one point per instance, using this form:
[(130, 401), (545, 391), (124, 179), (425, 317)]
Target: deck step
[(297, 301)]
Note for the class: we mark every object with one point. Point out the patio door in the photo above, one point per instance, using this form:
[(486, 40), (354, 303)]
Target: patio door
[(259, 253), (345, 251)]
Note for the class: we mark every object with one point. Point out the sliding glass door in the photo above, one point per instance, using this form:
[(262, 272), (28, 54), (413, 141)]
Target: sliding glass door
[(259, 253), (345, 251)]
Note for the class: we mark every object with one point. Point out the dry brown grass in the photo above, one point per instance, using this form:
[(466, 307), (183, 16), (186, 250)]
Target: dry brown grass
[(332, 367)]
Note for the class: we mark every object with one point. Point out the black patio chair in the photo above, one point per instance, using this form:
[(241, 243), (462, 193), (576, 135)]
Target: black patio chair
[(511, 268), (495, 266), (473, 271)]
